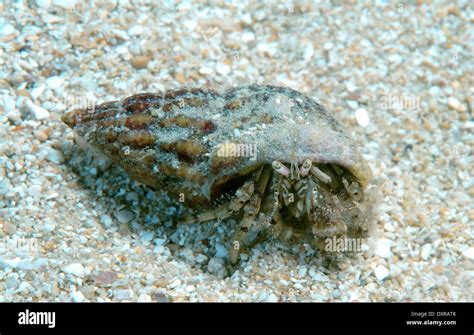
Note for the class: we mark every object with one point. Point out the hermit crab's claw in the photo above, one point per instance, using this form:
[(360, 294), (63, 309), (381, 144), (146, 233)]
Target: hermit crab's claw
[(353, 189)]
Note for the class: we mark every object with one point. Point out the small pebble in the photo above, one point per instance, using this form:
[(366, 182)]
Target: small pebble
[(41, 135), (65, 4), (9, 228), (248, 37), (38, 112), (17, 78), (77, 296), (76, 269), (49, 227), (9, 104), (124, 294), (147, 236), (105, 278), (106, 220), (221, 251), (215, 265), (318, 297), (383, 248), (353, 104), (124, 216), (469, 253), (35, 191), (180, 78), (200, 258), (426, 251), (136, 30), (206, 70), (302, 272), (351, 87), (175, 283), (88, 292), (381, 272), (223, 69), (54, 82), (140, 62), (23, 286), (144, 298), (455, 104), (162, 297), (7, 30), (362, 117), (272, 298), (54, 155)]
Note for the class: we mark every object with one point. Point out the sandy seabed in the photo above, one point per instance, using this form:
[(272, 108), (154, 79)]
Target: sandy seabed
[(75, 228)]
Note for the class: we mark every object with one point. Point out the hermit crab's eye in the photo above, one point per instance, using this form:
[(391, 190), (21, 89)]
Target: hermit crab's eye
[(356, 193), (280, 168), (305, 167)]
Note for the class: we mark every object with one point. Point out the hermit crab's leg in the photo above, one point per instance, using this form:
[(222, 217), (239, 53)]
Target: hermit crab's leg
[(272, 223), (311, 198), (315, 171), (242, 195), (277, 228), (263, 179), (284, 231), (249, 220), (251, 210), (267, 223), (277, 200)]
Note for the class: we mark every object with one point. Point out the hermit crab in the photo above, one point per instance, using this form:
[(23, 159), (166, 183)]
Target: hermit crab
[(269, 156)]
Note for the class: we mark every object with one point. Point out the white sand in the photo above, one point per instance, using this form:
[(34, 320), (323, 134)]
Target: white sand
[(91, 234)]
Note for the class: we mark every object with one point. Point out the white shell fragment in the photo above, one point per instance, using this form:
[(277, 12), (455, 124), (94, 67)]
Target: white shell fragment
[(362, 117), (38, 112)]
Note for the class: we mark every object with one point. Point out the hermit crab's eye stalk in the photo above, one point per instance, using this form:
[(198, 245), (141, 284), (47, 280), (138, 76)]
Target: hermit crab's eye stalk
[(305, 167), (280, 168)]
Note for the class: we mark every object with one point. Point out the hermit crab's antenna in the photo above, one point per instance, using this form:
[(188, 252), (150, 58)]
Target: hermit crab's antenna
[(294, 170)]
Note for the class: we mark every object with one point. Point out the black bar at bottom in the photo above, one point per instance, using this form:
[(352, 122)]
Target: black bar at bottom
[(433, 317)]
